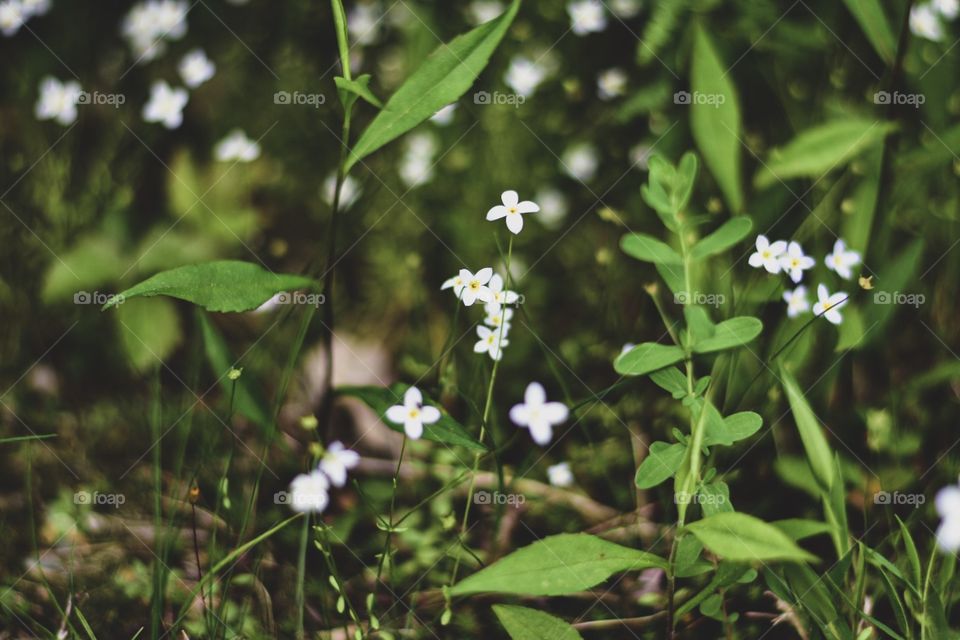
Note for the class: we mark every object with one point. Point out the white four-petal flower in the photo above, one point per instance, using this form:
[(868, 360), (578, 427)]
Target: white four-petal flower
[(11, 17), (560, 474), (925, 22), (308, 492), (768, 254), (841, 260), (497, 315), (587, 16), (58, 100), (412, 414), (165, 105), (511, 209), (196, 68), (797, 301), (828, 305), (236, 147), (336, 461), (491, 341), (474, 286), (948, 507), (538, 415), (794, 262)]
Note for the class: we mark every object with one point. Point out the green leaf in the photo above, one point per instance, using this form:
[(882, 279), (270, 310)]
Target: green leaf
[(730, 233), (916, 572), (647, 357), (225, 285), (671, 380), (350, 90), (729, 334), (649, 249), (662, 461), (726, 431), (873, 21), (820, 149), (523, 623), (715, 123), (814, 442), (149, 331), (442, 78), (744, 538), (246, 400), (715, 498), (557, 565), (800, 528), (446, 430)]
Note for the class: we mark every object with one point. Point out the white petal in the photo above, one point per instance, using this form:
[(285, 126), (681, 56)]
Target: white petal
[(480, 346), (755, 260), (794, 250), (448, 283), (496, 283), (772, 265), (948, 502), (515, 224), (484, 275), (429, 415), (413, 429), (485, 294), (833, 316), (555, 412), (541, 432), (796, 275), (762, 243), (335, 471), (528, 206), (778, 247), (822, 294), (397, 414), (509, 198), (469, 296), (535, 395), (497, 212), (519, 415), (412, 397)]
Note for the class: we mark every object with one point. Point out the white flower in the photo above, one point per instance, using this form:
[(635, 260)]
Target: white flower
[(412, 414), (148, 24), (58, 100), (828, 305), (335, 462), (611, 83), (363, 23), (580, 161), (948, 507), (236, 147), (538, 415), (794, 262), (841, 260), (640, 156), (627, 347), (497, 315), (165, 105), (560, 475), (444, 116), (11, 17), (524, 76), (484, 10), (500, 295), (349, 191), (797, 302), (925, 23), (308, 492), (491, 341), (767, 254), (511, 209), (32, 8), (553, 207), (949, 9), (625, 8), (196, 68), (171, 18), (587, 16), (474, 286)]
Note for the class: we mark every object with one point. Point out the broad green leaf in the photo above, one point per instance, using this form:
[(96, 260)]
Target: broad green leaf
[(350, 90), (744, 538), (873, 21), (672, 380), (225, 285), (445, 430), (820, 149), (149, 331), (715, 117), (814, 442), (647, 357), (523, 623), (649, 249), (715, 498), (662, 461), (726, 431), (246, 400), (90, 263), (729, 334), (557, 565), (730, 233), (699, 324), (800, 528), (442, 78)]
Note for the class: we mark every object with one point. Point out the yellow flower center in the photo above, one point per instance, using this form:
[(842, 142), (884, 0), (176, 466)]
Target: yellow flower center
[(765, 253), (511, 209), (475, 285), (414, 413)]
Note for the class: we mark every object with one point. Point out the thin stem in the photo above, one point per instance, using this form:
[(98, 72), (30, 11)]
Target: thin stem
[(301, 576), (391, 524)]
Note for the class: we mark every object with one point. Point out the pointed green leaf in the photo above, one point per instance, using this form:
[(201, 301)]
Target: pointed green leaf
[(730, 233), (662, 461), (357, 88), (799, 528), (729, 334), (523, 623), (873, 21), (647, 357), (649, 249), (814, 442), (744, 538)]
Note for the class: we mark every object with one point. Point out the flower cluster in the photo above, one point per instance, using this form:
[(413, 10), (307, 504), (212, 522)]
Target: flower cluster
[(309, 492), (15, 13), (788, 257), (150, 24), (927, 18)]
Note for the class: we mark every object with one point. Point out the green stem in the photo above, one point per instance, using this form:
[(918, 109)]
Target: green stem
[(391, 524), (301, 576)]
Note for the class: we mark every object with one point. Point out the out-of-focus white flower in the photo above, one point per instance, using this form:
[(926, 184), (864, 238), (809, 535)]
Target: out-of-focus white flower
[(512, 209), (445, 115), (484, 10), (497, 316), (538, 415), (349, 192), (797, 302), (491, 341), (794, 262), (925, 22), (553, 207), (627, 347), (580, 161), (416, 167), (949, 9), (149, 24), (337, 459), (842, 260), (625, 8), (363, 23), (640, 156), (236, 147), (768, 254), (12, 17), (524, 76), (501, 296), (165, 105), (308, 492), (196, 68), (33, 8), (58, 100), (412, 414), (560, 474), (828, 305), (611, 84), (587, 16), (948, 507)]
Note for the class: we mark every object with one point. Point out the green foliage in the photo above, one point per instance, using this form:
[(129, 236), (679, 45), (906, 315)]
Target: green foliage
[(744, 538), (662, 461), (523, 623)]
